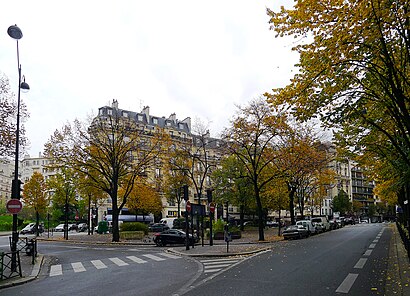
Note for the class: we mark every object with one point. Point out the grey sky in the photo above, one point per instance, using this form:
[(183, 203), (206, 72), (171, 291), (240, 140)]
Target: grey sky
[(192, 58)]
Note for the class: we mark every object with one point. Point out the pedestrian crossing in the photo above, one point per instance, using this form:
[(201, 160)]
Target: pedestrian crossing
[(77, 267), (217, 264)]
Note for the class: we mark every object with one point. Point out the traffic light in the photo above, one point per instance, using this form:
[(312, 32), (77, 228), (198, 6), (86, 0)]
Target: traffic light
[(185, 190), (209, 195), (16, 188)]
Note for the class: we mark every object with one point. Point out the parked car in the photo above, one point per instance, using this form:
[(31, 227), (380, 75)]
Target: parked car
[(29, 228), (59, 227), (72, 227), (319, 227), (173, 236), (158, 227), (308, 225), (82, 227), (295, 231), (272, 224), (168, 222), (323, 220)]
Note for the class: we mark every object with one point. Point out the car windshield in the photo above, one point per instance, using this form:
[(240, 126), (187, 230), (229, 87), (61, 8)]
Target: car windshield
[(292, 227)]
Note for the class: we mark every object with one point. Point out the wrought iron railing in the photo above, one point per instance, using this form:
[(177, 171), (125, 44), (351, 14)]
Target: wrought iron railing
[(8, 268), (404, 234)]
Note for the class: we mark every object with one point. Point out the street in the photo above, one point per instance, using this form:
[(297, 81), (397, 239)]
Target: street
[(348, 261)]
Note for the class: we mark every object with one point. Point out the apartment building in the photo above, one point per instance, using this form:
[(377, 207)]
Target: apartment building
[(6, 176)]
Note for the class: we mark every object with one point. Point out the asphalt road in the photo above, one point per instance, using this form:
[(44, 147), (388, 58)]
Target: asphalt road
[(347, 261), (101, 270)]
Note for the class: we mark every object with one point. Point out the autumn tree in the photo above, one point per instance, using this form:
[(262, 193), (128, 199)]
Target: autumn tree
[(63, 189), (115, 148), (8, 119), (35, 196), (175, 177), (304, 161), (144, 198), (354, 75), (252, 138), (197, 159)]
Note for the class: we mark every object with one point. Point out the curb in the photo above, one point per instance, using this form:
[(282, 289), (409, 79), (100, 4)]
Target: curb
[(19, 281), (171, 250)]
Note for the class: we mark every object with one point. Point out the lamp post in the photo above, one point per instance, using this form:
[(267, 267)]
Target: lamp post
[(15, 33)]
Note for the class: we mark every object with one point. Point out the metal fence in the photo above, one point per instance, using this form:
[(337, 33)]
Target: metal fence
[(7, 268), (404, 234)]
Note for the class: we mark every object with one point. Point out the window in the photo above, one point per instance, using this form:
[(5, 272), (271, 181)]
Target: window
[(155, 120), (125, 114), (109, 112), (157, 172), (140, 117)]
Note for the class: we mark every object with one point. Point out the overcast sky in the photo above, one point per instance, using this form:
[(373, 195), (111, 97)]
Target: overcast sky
[(193, 58)]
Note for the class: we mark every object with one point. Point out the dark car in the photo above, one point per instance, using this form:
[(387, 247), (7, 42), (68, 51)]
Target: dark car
[(173, 236), (158, 227), (295, 231), (82, 227)]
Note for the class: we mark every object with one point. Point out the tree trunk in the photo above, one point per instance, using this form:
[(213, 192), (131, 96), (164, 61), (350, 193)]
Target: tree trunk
[(260, 214), (115, 214), (241, 215), (291, 204)]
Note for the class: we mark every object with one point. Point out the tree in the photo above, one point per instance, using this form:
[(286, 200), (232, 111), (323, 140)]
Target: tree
[(231, 186), (353, 74), (252, 138), (144, 199), (341, 203), (176, 176), (35, 196), (63, 187), (8, 117), (112, 151)]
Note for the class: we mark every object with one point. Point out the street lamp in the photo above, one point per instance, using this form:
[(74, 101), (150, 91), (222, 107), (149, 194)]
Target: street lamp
[(15, 33)]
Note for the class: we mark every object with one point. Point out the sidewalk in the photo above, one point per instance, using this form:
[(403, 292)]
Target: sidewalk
[(397, 281)]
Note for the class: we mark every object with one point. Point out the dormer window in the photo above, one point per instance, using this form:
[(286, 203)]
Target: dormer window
[(155, 120), (125, 114)]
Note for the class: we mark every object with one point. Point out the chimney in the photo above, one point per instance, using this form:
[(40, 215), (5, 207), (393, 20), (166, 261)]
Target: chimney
[(145, 111), (114, 104)]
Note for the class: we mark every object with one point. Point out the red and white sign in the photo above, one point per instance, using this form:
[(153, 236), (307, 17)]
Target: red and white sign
[(188, 206), (14, 206), (212, 207)]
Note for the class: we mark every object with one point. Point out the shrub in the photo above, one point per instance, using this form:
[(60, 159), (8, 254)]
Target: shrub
[(134, 226)]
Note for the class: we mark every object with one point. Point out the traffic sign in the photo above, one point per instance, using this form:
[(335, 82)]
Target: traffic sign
[(212, 207), (14, 206), (188, 206)]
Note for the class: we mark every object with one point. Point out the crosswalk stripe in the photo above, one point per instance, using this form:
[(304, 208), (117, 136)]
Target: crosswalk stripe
[(98, 264), (136, 259), (56, 270), (169, 255), (212, 270), (118, 261), (218, 265), (219, 262), (153, 257), (77, 267)]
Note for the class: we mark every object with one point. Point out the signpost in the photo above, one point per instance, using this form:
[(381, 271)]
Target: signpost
[(187, 211), (14, 206), (211, 219), (188, 206)]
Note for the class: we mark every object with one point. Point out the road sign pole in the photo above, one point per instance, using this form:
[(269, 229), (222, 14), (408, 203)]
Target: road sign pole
[(187, 209)]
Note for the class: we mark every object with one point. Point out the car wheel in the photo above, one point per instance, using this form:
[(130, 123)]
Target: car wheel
[(158, 242)]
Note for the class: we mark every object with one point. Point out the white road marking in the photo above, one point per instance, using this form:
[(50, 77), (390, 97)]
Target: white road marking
[(368, 253), (98, 264), (219, 262), (211, 270), (361, 263), (153, 257), (218, 265), (118, 261), (136, 259), (56, 270), (372, 246), (347, 283), (376, 241), (77, 267)]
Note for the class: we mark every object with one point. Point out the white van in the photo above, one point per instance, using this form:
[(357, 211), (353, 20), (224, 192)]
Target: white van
[(308, 225), (168, 221), (323, 220)]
